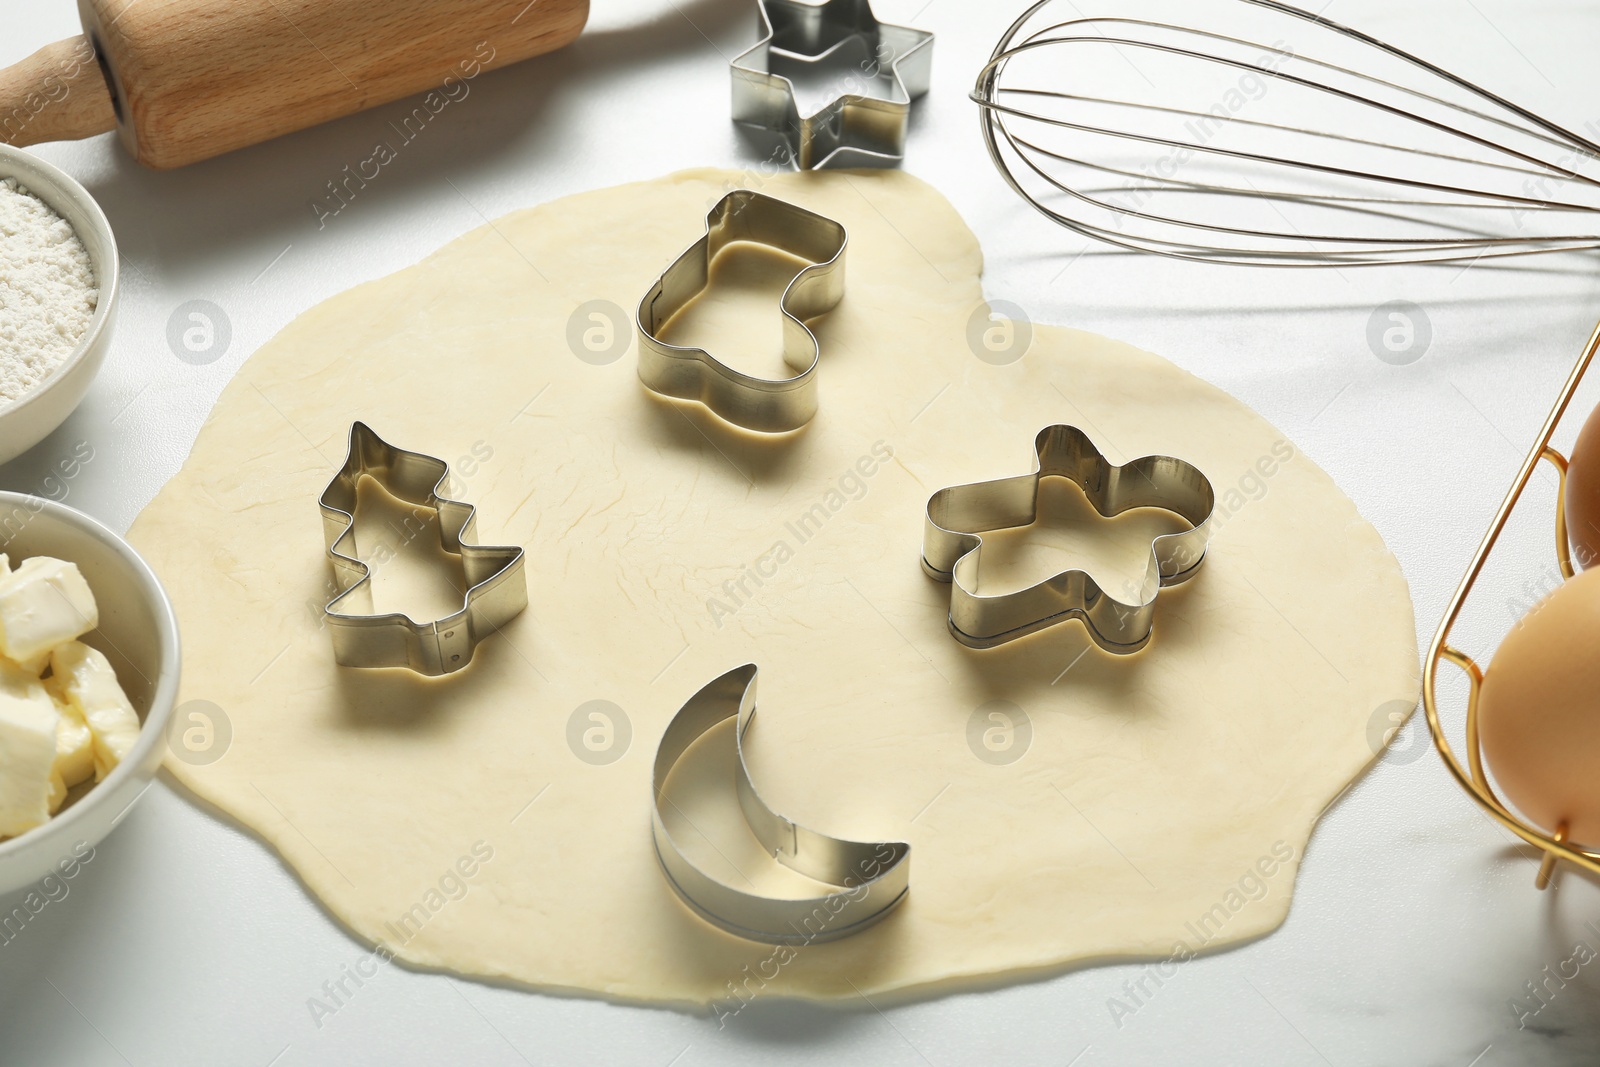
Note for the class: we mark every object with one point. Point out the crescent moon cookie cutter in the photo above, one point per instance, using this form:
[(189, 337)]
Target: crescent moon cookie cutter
[(867, 880), (958, 517), (766, 405), (854, 127), (496, 591)]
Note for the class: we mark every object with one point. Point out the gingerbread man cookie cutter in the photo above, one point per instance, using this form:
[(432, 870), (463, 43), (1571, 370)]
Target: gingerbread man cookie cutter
[(766, 405), (864, 881), (496, 586), (958, 517)]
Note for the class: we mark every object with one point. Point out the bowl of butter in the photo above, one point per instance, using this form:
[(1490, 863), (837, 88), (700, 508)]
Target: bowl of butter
[(89, 665)]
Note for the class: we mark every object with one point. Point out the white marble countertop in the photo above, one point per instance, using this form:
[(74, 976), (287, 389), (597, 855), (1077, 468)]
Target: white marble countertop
[(1415, 926)]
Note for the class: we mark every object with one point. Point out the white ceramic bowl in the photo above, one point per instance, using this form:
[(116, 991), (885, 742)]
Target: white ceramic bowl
[(139, 635), (30, 420)]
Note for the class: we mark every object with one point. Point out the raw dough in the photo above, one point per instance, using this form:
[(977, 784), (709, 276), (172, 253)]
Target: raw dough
[(1157, 797)]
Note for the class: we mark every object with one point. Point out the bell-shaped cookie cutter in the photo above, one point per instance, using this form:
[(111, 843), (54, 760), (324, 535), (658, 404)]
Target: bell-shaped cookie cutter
[(870, 879), (767, 405), (854, 128), (958, 517), (496, 591)]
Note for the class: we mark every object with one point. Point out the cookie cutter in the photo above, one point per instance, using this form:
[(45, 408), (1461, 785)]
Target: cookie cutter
[(767, 405), (496, 587), (957, 517), (853, 128), (869, 879)]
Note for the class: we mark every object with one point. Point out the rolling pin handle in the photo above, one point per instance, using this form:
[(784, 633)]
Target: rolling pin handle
[(57, 94)]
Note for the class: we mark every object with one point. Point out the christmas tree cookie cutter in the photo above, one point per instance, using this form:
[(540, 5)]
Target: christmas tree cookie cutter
[(496, 587), (865, 880), (958, 517), (766, 405)]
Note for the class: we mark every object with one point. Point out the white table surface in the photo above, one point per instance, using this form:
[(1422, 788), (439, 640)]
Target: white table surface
[(1415, 922)]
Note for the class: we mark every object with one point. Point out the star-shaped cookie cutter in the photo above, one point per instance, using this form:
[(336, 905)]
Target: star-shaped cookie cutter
[(866, 880), (496, 587), (958, 517), (767, 405), (854, 128)]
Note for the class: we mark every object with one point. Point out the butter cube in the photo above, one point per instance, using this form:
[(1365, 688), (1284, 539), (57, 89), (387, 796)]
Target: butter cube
[(74, 752), (84, 680), (43, 603), (74, 746), (27, 750), (74, 762)]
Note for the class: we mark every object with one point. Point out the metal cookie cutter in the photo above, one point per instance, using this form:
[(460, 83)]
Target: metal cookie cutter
[(768, 405), (853, 128), (496, 588), (957, 517), (870, 878)]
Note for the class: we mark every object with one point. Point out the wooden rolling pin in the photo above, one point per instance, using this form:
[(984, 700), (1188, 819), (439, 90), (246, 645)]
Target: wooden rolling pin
[(185, 80)]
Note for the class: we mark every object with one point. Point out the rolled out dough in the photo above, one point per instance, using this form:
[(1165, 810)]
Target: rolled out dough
[(474, 824)]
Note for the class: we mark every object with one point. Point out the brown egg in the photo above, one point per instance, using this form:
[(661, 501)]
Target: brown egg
[(1583, 494), (1539, 711)]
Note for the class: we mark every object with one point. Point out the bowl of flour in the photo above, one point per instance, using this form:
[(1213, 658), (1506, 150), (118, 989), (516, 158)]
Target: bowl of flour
[(58, 296)]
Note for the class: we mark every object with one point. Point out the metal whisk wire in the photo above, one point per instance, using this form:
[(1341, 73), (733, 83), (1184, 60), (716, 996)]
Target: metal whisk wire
[(1449, 195)]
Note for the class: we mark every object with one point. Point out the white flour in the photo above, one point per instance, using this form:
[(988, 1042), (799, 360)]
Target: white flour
[(47, 290)]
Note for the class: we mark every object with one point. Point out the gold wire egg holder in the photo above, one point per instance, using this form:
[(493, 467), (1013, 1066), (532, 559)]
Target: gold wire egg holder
[(1554, 846)]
